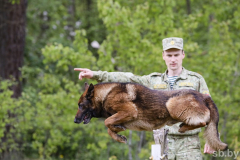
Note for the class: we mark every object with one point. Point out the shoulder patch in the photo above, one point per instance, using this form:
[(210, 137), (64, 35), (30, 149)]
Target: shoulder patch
[(206, 92), (161, 86), (182, 84), (194, 74), (155, 74)]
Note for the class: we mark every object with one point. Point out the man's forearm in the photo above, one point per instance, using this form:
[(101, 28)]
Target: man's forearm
[(104, 76)]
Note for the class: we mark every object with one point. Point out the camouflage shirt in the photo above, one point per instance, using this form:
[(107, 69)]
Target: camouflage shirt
[(186, 80)]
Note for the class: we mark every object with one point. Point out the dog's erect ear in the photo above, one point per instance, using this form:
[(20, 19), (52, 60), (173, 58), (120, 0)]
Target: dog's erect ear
[(90, 91), (86, 86)]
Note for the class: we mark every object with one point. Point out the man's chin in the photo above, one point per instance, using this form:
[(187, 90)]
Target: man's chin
[(173, 68)]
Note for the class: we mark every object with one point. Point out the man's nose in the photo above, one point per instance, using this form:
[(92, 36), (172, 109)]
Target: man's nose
[(173, 59)]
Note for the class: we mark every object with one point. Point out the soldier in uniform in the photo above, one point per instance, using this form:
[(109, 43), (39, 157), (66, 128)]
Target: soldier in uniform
[(184, 146)]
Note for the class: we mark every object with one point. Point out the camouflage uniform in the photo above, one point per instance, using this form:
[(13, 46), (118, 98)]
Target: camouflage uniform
[(181, 145)]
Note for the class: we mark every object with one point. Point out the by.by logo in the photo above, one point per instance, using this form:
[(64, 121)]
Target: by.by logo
[(226, 153)]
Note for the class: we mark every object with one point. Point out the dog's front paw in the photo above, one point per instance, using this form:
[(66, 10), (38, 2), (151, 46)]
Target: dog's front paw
[(123, 139), (119, 128)]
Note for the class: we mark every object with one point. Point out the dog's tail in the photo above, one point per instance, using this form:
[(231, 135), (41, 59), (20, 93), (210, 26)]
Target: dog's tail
[(211, 132)]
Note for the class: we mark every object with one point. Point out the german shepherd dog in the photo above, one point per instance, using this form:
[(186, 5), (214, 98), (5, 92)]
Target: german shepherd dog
[(136, 107)]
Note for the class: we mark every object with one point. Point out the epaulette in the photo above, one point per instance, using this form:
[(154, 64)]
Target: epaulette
[(195, 74), (155, 74)]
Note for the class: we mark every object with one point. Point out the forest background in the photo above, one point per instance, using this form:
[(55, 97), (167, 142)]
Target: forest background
[(42, 41)]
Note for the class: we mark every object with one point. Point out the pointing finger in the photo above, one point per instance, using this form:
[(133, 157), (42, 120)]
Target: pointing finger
[(79, 69)]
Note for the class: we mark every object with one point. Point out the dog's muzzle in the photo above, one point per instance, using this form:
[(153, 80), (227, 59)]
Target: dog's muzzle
[(76, 120)]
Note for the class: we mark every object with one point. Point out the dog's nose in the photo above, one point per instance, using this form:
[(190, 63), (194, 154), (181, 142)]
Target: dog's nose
[(75, 120)]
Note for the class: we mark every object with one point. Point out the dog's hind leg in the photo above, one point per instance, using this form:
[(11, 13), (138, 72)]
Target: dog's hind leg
[(189, 110)]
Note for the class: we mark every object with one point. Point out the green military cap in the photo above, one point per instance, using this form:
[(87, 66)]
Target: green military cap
[(172, 42)]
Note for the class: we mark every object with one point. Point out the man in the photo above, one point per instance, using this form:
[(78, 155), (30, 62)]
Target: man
[(181, 145)]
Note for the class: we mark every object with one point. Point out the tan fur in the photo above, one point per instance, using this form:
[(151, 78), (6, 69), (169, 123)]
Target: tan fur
[(186, 110), (101, 94), (135, 107), (136, 125), (131, 91)]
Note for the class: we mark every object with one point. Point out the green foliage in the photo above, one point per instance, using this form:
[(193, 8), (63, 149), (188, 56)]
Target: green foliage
[(7, 118), (50, 107), (133, 41), (211, 45)]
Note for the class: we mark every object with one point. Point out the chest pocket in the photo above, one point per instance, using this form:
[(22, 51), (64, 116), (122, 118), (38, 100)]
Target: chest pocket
[(161, 86), (186, 85)]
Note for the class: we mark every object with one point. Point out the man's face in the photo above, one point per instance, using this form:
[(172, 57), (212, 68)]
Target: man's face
[(173, 58)]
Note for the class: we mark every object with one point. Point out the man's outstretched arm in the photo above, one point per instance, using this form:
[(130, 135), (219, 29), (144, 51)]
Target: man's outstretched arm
[(104, 76)]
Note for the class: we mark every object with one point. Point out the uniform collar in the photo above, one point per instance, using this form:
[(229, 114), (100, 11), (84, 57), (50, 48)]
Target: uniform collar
[(183, 75)]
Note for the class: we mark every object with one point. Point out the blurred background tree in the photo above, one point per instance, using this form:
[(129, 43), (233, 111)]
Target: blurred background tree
[(12, 45), (60, 36)]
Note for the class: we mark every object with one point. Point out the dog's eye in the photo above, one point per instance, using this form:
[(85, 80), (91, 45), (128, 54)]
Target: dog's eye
[(80, 106)]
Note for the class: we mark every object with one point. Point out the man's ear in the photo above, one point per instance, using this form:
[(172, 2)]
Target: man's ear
[(90, 91), (163, 55), (183, 54), (86, 86)]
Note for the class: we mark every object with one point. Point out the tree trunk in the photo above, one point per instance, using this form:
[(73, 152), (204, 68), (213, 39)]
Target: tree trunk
[(140, 143), (71, 19), (130, 146), (12, 41), (188, 7)]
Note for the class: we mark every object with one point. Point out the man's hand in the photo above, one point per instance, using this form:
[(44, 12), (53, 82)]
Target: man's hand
[(84, 73), (208, 149)]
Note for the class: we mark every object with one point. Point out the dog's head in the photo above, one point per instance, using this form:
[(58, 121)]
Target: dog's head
[(85, 105)]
